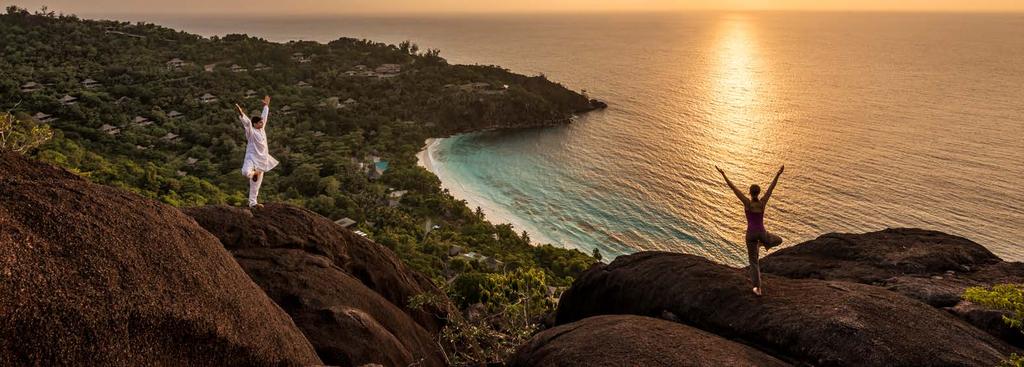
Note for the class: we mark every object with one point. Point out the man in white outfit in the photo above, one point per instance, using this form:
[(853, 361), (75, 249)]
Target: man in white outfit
[(257, 155)]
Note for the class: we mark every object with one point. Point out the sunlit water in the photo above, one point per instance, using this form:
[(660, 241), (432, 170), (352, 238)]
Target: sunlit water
[(882, 120)]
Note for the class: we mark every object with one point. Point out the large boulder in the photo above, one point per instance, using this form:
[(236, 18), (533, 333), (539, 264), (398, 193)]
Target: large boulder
[(627, 340), (873, 258), (285, 226), (933, 267), (322, 276), (930, 266), (992, 321), (826, 323), (92, 275)]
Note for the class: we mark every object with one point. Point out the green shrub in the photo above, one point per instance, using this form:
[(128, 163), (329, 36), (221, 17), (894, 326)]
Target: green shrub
[(501, 314), (1006, 297), (21, 135)]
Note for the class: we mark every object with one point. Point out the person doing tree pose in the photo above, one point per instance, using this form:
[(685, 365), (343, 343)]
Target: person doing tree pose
[(753, 208), (258, 160)]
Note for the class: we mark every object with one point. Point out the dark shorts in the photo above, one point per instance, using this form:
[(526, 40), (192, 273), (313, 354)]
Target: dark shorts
[(766, 239)]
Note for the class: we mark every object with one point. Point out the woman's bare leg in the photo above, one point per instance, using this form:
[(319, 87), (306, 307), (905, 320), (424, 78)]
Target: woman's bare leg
[(755, 266), (771, 240)]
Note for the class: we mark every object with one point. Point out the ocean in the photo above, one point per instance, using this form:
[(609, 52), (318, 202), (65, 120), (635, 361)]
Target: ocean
[(882, 120)]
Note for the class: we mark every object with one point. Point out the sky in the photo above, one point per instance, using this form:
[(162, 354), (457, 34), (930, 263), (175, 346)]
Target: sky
[(294, 7)]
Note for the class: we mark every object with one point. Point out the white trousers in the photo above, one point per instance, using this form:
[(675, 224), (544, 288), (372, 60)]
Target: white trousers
[(254, 186)]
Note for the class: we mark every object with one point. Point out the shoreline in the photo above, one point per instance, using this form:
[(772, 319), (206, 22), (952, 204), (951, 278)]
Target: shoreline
[(493, 213)]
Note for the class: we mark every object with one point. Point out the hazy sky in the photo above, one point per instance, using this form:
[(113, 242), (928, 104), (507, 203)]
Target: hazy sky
[(98, 7)]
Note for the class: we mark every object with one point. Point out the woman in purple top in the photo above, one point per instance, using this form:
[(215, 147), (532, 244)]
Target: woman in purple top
[(754, 208)]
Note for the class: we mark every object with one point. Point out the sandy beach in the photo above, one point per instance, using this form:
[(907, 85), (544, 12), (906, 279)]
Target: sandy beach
[(494, 212)]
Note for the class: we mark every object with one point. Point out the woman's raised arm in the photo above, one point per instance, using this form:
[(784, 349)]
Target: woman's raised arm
[(739, 194), (768, 194)]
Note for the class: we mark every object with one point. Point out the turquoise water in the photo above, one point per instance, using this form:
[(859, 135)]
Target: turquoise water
[(883, 120), (521, 184)]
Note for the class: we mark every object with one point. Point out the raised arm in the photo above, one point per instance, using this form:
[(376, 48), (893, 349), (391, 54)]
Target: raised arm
[(266, 110), (739, 194), (246, 123), (768, 194)]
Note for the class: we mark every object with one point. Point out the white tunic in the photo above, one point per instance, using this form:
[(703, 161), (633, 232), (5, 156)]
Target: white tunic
[(257, 154)]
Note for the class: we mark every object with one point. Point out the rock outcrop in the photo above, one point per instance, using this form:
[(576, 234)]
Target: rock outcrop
[(874, 258), (805, 321), (92, 275), (349, 295), (285, 226), (627, 340), (929, 266)]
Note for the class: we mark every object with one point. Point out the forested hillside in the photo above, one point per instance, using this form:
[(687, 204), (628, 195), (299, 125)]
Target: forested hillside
[(149, 109)]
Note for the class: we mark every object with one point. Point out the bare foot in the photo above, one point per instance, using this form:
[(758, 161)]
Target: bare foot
[(757, 291), (256, 206)]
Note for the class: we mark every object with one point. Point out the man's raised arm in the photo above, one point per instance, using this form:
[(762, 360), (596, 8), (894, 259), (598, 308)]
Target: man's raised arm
[(266, 110), (242, 117)]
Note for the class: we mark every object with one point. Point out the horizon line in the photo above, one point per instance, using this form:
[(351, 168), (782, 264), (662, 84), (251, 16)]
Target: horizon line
[(544, 12)]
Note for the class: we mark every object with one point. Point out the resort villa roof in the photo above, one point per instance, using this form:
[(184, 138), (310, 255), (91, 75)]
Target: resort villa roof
[(68, 100), (43, 117), (210, 67), (170, 137), (345, 222), (175, 114), (249, 94), (351, 101), (110, 130), (303, 84), (208, 98), (90, 84), (261, 67), (190, 161), (176, 63), (31, 87), (237, 69), (141, 121)]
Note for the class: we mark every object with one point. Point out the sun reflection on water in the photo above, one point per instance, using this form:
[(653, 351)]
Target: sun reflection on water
[(735, 106)]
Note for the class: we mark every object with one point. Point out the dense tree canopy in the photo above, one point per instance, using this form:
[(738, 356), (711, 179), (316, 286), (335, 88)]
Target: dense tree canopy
[(126, 102)]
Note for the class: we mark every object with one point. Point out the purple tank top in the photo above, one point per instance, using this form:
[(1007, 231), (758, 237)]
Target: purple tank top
[(755, 221)]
